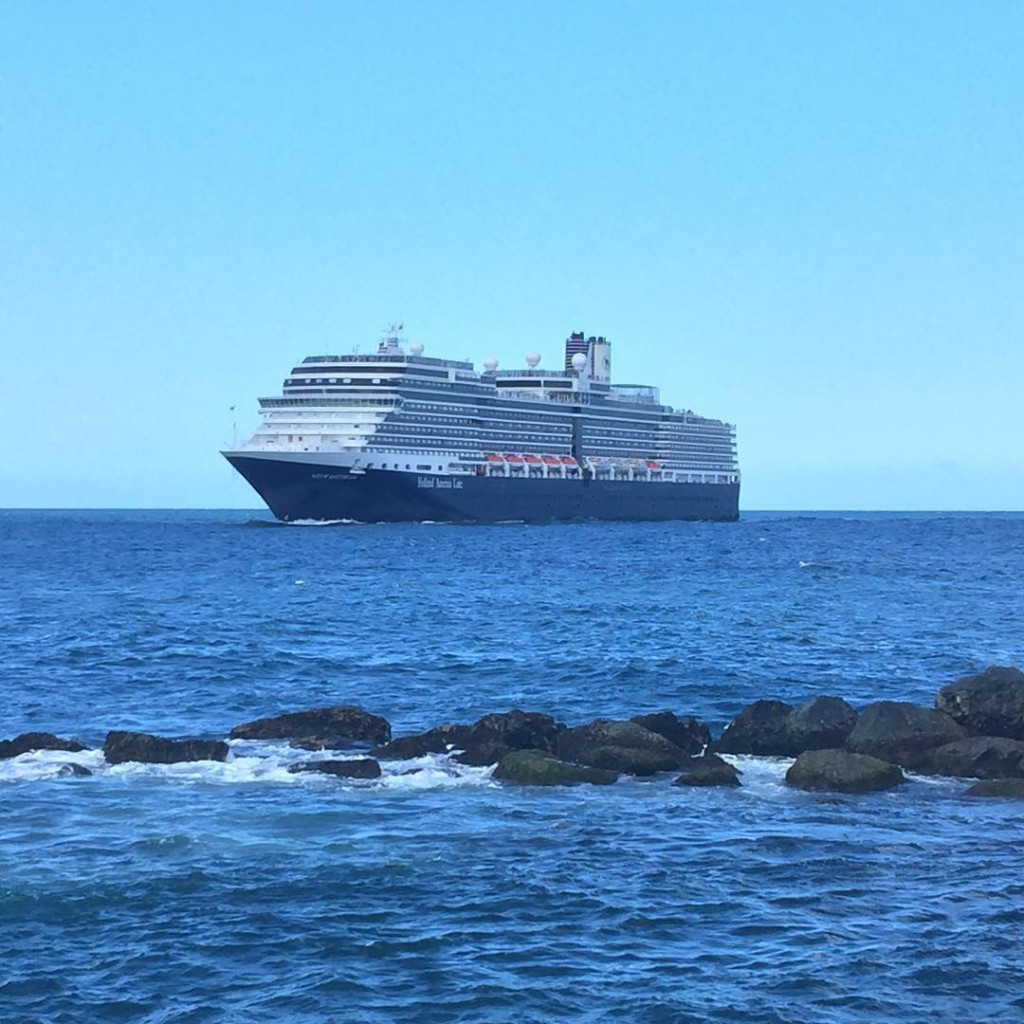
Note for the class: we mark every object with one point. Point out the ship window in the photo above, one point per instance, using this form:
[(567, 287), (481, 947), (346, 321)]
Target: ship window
[(422, 467)]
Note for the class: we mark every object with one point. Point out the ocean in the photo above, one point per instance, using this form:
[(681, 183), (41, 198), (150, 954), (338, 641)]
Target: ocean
[(239, 892)]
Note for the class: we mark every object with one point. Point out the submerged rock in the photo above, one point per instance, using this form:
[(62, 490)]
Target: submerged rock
[(29, 741), (709, 770), (990, 704), (842, 772), (901, 733), (538, 768), (775, 729), (998, 787), (139, 746), (620, 746), (335, 728), (978, 757), (71, 769), (689, 734), (353, 768)]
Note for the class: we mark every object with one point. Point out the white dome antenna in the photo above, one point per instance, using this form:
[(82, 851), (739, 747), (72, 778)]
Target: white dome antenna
[(579, 362), (416, 348), (490, 364), (532, 360)]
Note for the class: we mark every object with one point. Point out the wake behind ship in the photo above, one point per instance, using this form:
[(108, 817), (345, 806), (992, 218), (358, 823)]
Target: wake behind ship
[(397, 436)]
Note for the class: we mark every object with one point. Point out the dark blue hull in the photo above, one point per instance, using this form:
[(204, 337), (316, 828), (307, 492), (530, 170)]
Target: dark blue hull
[(296, 491)]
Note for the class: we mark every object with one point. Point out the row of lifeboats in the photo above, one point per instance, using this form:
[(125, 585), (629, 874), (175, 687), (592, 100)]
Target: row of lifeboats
[(568, 460), (532, 460)]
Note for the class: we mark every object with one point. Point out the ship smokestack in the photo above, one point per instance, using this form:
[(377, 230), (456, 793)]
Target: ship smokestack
[(573, 344)]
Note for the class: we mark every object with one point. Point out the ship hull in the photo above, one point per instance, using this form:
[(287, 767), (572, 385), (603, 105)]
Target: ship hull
[(304, 490)]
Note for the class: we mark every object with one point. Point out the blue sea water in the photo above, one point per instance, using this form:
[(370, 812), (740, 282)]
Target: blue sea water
[(239, 892)]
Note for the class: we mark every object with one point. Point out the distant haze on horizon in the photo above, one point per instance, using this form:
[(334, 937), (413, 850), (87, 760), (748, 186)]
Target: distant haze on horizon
[(805, 219)]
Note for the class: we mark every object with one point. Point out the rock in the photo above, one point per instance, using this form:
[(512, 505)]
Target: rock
[(709, 770), (977, 757), (492, 737), (29, 741), (901, 733), (989, 704), (70, 770), (139, 746), (759, 728), (822, 723), (353, 768), (774, 729), (689, 734), (619, 746), (538, 768), (330, 727), (842, 772), (435, 741), (998, 787)]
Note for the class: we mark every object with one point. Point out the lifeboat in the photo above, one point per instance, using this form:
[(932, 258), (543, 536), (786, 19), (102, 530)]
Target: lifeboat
[(534, 460), (514, 458), (568, 460), (492, 457), (550, 460), (653, 465)]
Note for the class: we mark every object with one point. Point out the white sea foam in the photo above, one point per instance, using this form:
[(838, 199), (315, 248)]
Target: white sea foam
[(39, 765), (324, 522)]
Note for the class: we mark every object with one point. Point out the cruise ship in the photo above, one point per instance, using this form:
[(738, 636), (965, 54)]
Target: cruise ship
[(399, 436)]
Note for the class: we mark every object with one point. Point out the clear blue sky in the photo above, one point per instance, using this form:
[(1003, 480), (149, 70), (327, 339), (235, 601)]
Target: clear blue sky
[(805, 218)]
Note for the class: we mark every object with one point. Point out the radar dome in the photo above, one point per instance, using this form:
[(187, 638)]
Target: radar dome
[(578, 362), (532, 359), (416, 348), (490, 365)]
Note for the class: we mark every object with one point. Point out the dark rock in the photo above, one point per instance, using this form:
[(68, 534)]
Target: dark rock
[(29, 741), (492, 737), (353, 768), (820, 724), (331, 727), (901, 733), (538, 768), (435, 741), (998, 787), (619, 746), (139, 746), (689, 734), (759, 728), (978, 757), (72, 770), (843, 772), (709, 770), (990, 704), (774, 729)]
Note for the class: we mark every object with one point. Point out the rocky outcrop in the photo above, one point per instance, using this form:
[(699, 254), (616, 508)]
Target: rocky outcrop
[(822, 723), (709, 770), (978, 757), (490, 738), (689, 734), (139, 746), (73, 770), (759, 728), (538, 768), (619, 746), (901, 733), (434, 741), (353, 768), (334, 728), (989, 704), (842, 772), (772, 728), (998, 787), (29, 741)]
